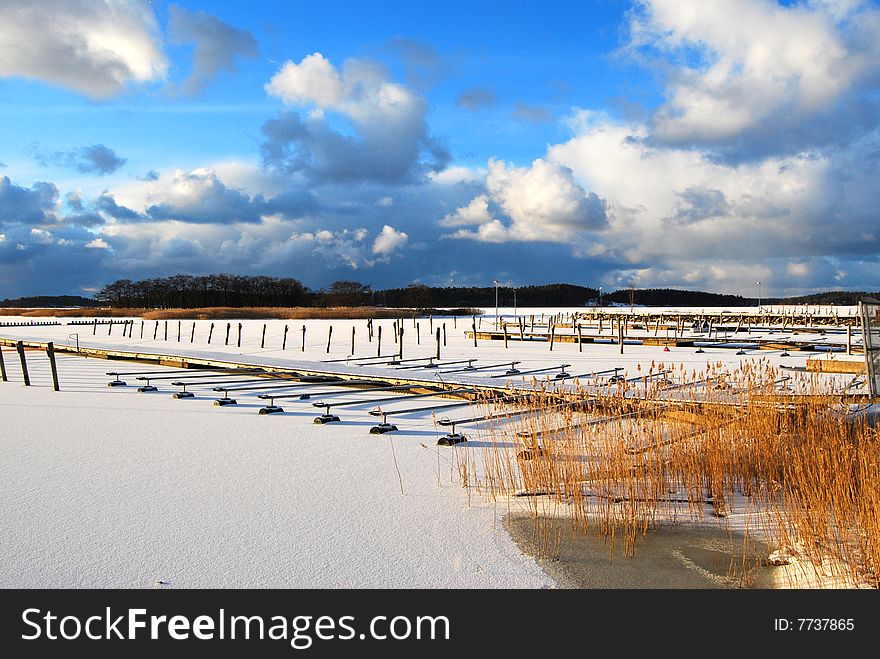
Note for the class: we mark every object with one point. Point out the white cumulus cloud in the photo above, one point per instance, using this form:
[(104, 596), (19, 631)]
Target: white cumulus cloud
[(92, 46)]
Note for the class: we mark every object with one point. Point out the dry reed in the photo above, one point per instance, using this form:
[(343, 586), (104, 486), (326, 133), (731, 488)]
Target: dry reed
[(784, 451)]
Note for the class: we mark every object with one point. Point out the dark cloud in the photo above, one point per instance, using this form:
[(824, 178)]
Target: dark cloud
[(699, 204), (536, 114), (217, 45), (27, 206), (95, 159), (422, 63), (476, 98), (107, 204), (207, 200), (74, 201), (151, 175), (378, 153)]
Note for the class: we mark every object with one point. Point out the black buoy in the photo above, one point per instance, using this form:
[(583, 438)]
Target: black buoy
[(183, 394), (451, 439), (146, 388), (326, 418), (382, 428), (699, 351), (785, 354), (220, 402), (740, 352), (116, 383), (271, 409)]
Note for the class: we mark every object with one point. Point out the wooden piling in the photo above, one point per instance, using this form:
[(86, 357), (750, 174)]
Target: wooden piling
[(304, 338), (552, 334), (239, 335), (400, 342), (95, 327), (438, 343), (19, 346), (166, 330), (179, 326), (263, 337), (474, 327), (849, 339), (110, 328), (418, 335), (228, 327), (352, 340), (284, 340), (444, 335), (379, 342), (50, 353), (3, 376), (210, 333), (620, 335), (504, 327), (580, 339), (329, 334), (192, 335), (394, 331), (155, 330), (142, 329)]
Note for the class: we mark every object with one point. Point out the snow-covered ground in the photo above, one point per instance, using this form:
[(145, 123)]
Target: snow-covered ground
[(105, 487)]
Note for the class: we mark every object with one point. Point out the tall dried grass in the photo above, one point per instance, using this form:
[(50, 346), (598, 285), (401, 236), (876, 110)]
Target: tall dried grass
[(624, 459)]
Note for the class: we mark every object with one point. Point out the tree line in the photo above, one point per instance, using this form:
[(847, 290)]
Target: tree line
[(225, 290)]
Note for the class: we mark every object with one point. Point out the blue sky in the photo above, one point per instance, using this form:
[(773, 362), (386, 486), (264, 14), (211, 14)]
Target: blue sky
[(686, 144)]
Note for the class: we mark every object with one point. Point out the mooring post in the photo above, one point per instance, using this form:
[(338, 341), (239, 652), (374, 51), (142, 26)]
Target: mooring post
[(504, 327), (192, 336), (379, 341), (284, 340), (580, 340), (166, 330), (239, 335), (329, 334), (418, 335), (142, 329), (24, 371), (228, 327), (431, 321), (263, 337), (155, 330), (179, 326), (304, 338), (400, 342), (95, 327), (438, 343), (849, 339), (110, 328), (210, 333), (552, 334), (455, 322), (352, 339), (370, 330), (444, 335), (620, 335), (50, 353), (474, 327), (3, 375), (394, 331)]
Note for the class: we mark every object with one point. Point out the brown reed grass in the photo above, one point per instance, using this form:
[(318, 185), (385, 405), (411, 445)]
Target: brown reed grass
[(623, 459)]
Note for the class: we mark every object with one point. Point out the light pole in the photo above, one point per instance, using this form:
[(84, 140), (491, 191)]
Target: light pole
[(495, 281), (759, 296)]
